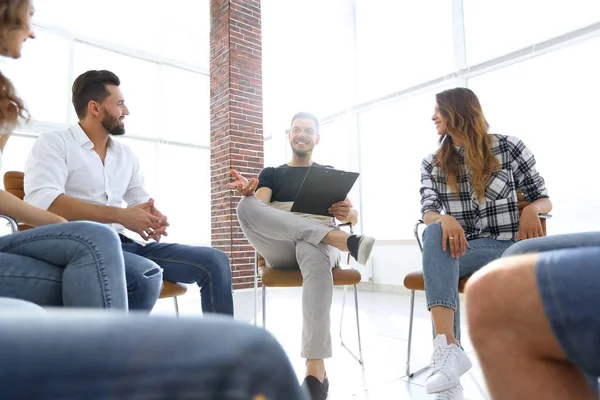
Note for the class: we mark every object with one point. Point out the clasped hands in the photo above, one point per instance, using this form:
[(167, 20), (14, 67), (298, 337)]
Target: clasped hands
[(145, 220)]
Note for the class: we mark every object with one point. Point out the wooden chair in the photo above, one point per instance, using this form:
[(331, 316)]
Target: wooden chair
[(13, 183), (415, 281), (343, 275)]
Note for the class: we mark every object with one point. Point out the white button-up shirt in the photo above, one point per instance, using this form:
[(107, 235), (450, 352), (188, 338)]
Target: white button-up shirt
[(64, 162)]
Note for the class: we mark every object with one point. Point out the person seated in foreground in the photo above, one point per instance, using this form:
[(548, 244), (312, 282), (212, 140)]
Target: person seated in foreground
[(93, 355), (534, 321)]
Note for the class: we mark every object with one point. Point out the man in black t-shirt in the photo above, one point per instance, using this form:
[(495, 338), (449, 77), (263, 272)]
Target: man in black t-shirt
[(308, 242)]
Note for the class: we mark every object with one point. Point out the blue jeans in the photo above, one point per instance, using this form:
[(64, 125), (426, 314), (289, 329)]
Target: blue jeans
[(93, 355), (441, 272), (205, 266), (75, 264), (568, 285), (555, 242)]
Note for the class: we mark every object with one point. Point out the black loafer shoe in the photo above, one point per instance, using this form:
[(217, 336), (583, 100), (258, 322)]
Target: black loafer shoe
[(316, 389)]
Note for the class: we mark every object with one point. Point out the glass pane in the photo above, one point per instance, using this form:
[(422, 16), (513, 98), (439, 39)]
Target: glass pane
[(179, 31), (494, 28), (146, 154), (185, 99), (307, 59), (185, 34), (41, 76), (275, 151), (394, 140), (139, 83), (15, 154), (333, 148), (550, 102), (183, 192), (401, 44)]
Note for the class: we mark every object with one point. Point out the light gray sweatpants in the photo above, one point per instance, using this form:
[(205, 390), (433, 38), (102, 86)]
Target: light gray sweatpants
[(288, 241)]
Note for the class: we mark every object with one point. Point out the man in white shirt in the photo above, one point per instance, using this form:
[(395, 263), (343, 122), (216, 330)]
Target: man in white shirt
[(82, 173)]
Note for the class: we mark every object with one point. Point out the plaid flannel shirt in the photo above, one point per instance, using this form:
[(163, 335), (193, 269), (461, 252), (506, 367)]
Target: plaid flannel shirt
[(497, 216)]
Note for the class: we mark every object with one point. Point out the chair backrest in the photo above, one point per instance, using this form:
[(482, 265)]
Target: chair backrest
[(13, 183)]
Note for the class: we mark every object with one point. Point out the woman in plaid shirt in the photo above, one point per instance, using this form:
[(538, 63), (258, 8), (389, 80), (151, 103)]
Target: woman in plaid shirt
[(469, 203)]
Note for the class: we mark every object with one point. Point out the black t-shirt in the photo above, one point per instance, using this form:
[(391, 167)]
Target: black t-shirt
[(284, 181)]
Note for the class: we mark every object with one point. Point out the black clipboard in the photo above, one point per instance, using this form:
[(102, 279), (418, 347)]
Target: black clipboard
[(321, 188)]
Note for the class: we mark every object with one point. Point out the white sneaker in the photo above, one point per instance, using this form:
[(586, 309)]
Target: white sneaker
[(448, 363), (456, 393)]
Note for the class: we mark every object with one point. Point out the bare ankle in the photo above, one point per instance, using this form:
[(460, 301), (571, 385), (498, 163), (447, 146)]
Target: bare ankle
[(316, 368), (337, 239)]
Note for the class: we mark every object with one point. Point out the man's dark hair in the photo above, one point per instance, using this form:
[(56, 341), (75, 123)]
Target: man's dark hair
[(306, 115), (91, 86)]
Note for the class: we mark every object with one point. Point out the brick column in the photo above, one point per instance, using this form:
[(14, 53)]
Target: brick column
[(236, 131)]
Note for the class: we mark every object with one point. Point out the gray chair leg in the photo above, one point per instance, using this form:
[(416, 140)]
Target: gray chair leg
[(410, 329), (176, 306), (358, 358), (255, 297), (264, 306)]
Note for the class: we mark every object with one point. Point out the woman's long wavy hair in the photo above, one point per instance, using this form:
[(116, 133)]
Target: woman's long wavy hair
[(11, 106), (461, 107)]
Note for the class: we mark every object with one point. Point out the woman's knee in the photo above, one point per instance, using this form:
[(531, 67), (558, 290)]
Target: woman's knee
[(100, 234), (432, 231)]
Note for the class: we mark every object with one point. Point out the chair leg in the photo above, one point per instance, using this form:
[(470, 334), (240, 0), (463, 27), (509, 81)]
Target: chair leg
[(410, 330), (264, 306), (358, 358), (255, 297), (176, 306)]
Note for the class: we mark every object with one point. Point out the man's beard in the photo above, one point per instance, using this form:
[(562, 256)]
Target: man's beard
[(112, 126), (302, 153)]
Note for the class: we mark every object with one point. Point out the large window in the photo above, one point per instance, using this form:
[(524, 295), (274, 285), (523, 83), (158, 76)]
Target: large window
[(550, 102), (41, 77), (161, 55), (401, 44), (394, 140), (495, 28), (308, 59)]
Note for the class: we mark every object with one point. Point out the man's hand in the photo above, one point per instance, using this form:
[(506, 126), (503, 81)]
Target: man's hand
[(140, 219), (453, 235), (162, 231), (341, 210), (242, 185), (529, 224)]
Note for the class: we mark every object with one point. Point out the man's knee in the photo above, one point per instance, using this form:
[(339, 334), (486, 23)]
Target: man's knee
[(484, 293), (245, 207), (211, 261), (143, 274), (522, 247)]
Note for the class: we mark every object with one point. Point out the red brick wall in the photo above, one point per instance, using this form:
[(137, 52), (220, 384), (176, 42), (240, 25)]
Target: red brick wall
[(236, 137)]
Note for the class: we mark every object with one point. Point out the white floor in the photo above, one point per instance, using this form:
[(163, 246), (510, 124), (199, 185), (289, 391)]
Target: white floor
[(384, 331)]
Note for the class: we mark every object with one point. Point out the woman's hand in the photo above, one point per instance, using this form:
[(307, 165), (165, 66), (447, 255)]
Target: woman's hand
[(453, 235), (529, 224)]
